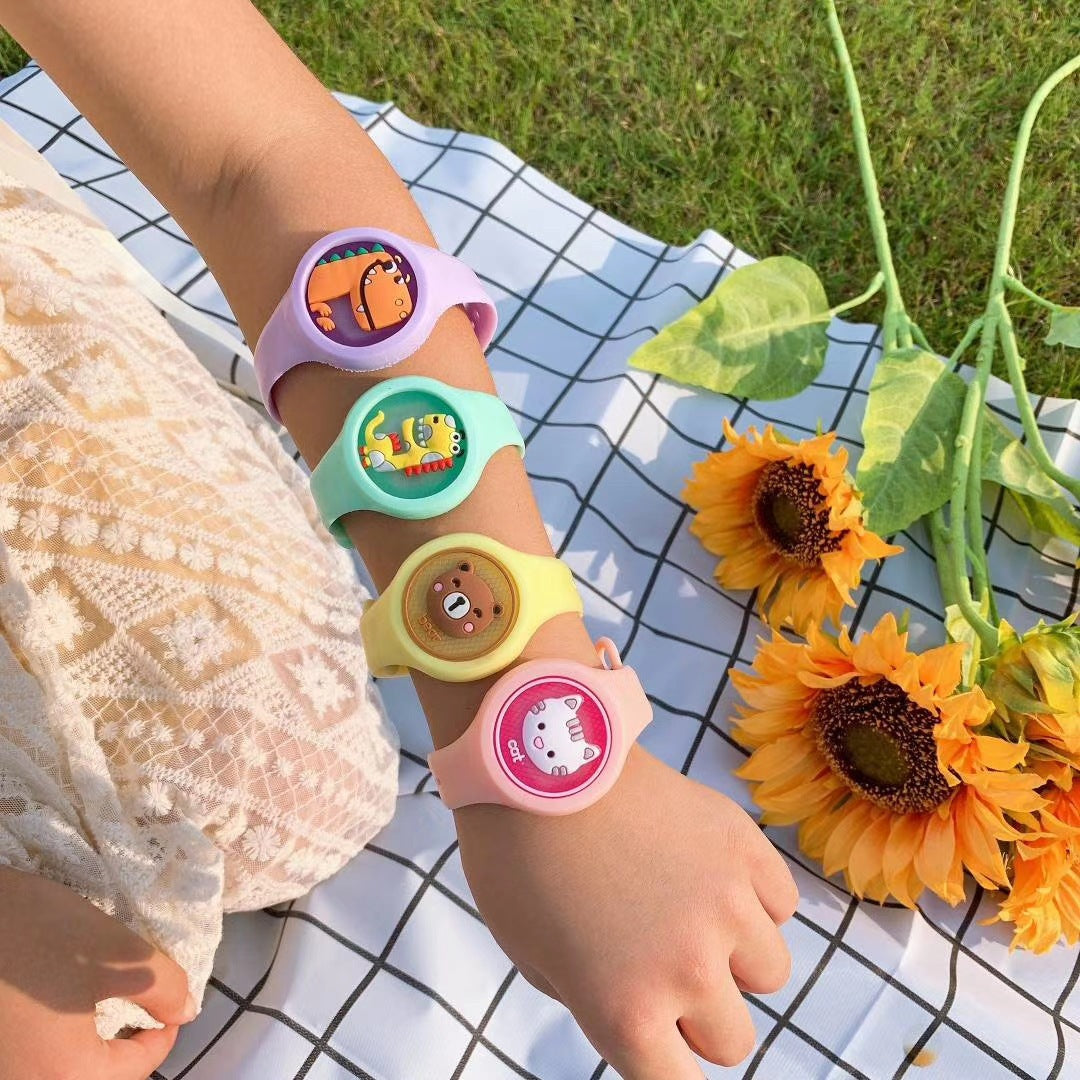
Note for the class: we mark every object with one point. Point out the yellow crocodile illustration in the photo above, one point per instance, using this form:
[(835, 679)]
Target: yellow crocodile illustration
[(377, 288), (426, 444)]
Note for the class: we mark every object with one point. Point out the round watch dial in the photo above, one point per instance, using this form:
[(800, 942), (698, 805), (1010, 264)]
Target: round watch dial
[(460, 604), (412, 444), (552, 737), (361, 292)]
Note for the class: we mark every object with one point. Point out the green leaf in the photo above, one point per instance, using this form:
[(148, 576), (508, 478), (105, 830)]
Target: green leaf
[(909, 431), (1008, 462), (1065, 328), (1057, 519), (759, 334)]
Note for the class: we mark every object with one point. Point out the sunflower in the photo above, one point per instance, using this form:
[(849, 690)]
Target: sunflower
[(1043, 902), (786, 521), (1034, 682), (882, 764)]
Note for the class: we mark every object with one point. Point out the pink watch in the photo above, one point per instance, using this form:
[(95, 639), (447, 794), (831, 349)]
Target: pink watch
[(364, 299), (551, 737)]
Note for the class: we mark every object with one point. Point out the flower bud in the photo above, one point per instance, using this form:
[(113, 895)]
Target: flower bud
[(1034, 682)]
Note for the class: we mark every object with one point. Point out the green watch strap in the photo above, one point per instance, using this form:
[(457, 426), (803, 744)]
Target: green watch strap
[(412, 448)]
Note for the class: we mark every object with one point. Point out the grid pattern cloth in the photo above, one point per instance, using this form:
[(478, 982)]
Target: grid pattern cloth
[(386, 971)]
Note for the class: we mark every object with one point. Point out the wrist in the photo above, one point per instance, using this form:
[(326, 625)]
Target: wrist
[(452, 707), (480, 822)]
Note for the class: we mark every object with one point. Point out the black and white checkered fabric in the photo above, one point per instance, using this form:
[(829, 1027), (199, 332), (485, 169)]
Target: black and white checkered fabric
[(386, 970)]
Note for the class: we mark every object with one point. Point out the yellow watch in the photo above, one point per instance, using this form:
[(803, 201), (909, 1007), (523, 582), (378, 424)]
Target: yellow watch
[(462, 607)]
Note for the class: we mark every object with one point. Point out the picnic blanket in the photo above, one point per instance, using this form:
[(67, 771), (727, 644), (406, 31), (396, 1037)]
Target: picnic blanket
[(386, 971)]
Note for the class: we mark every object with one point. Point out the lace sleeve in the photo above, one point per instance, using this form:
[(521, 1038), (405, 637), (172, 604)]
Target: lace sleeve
[(188, 726)]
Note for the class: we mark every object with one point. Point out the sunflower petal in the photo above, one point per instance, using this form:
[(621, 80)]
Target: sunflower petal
[(865, 862), (845, 835), (934, 859)]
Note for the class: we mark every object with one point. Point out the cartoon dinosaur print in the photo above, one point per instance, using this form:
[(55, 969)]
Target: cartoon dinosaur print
[(426, 444), (373, 281)]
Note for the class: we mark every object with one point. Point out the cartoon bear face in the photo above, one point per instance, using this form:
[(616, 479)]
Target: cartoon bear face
[(461, 603)]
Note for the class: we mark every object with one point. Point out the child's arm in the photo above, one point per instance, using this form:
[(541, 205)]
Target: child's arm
[(635, 912), (59, 955), (256, 161)]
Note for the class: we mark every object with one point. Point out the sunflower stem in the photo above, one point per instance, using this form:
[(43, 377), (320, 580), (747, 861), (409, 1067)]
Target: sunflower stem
[(939, 543), (997, 314), (965, 503), (1019, 287), (976, 547), (896, 326), (920, 339), (1015, 367), (872, 290), (949, 550), (970, 334), (975, 551), (965, 510)]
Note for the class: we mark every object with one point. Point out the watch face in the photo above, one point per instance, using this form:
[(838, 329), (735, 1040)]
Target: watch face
[(412, 444), (460, 604), (552, 737), (360, 293)]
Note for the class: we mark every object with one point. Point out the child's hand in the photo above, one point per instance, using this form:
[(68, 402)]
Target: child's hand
[(644, 915), (59, 956)]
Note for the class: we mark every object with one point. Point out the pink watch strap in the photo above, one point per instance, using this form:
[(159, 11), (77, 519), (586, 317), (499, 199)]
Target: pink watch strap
[(551, 737), (461, 782)]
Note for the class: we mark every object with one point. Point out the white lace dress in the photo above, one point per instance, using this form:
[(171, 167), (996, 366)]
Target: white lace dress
[(186, 722)]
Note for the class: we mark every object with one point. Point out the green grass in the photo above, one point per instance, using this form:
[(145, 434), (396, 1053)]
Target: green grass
[(730, 113)]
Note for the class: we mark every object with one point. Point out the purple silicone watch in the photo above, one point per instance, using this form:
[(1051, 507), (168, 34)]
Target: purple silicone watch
[(363, 299)]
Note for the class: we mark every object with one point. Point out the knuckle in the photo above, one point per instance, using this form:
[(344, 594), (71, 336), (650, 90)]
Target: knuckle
[(633, 1023), (700, 973)]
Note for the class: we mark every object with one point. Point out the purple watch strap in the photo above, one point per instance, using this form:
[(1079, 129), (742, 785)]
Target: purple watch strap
[(364, 299)]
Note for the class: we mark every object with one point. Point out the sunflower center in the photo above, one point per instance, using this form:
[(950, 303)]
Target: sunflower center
[(792, 514), (881, 744)]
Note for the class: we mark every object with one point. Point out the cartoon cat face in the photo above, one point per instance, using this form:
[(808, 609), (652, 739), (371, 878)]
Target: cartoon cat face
[(554, 738)]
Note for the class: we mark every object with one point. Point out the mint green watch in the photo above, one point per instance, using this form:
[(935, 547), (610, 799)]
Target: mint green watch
[(410, 448)]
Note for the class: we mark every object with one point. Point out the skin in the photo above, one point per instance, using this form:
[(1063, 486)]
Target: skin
[(647, 912), (58, 956)]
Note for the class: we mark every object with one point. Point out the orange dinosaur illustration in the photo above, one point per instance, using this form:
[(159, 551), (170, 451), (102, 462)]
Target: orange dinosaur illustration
[(373, 281)]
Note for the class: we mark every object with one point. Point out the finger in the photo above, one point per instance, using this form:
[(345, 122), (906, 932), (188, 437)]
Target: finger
[(718, 1028), (761, 961), (659, 1054), (776, 888), (165, 996), (136, 1058)]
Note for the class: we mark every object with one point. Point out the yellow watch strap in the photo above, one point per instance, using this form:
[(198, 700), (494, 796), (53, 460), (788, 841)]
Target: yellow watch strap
[(381, 638), (439, 606), (546, 585)]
